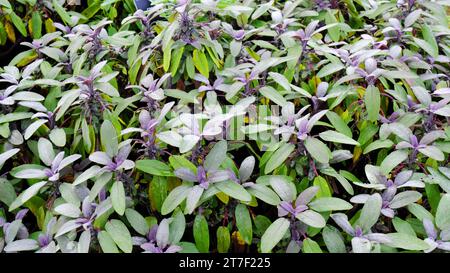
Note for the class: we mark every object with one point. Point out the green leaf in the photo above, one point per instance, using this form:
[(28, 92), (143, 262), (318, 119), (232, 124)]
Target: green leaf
[(261, 224), (427, 47), (7, 155), (17, 21), (62, 13), (15, 116), (283, 187), (223, 239), (167, 55), (262, 8), (234, 190), (36, 23), (201, 233), (118, 197), (23, 171), (175, 197), (378, 144), (311, 218), (134, 70), (405, 198), (428, 36), (361, 245), (329, 69), (422, 95), (108, 135), (177, 54), (157, 192), (406, 241), (27, 195), (190, 68), (201, 62), (264, 193), (412, 17), (244, 223), (273, 234), (193, 198), (333, 240), (120, 234), (318, 150), (339, 124), (419, 212), (433, 152), (399, 74), (370, 212), (177, 227), (188, 247), (5, 3), (367, 133), (310, 246), (336, 137), (324, 188), (108, 2), (87, 174), (86, 134), (3, 34), (340, 178), (168, 33), (48, 82), (372, 101), (393, 160), (329, 204), (107, 243), (281, 80), (178, 161), (402, 226), (278, 157), (442, 180), (433, 195), (272, 94), (333, 32), (235, 47), (24, 58), (182, 95), (7, 192), (58, 137), (92, 9), (216, 156), (154, 167), (137, 221), (443, 213)]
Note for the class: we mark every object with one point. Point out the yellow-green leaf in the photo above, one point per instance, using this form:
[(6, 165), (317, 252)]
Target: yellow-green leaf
[(35, 25), (324, 188), (17, 21), (372, 102), (49, 27), (223, 239), (201, 62), (10, 32), (3, 34), (167, 55), (177, 54)]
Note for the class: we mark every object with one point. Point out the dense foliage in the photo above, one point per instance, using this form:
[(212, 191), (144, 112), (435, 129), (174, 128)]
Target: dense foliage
[(225, 126)]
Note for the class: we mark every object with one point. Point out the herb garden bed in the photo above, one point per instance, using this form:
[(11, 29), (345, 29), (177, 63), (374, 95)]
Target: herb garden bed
[(224, 126)]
